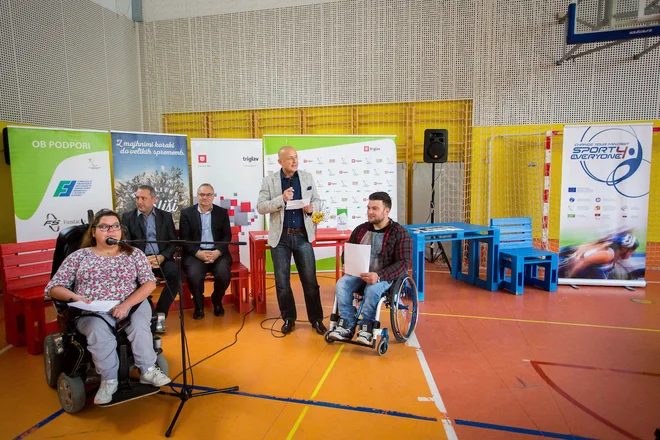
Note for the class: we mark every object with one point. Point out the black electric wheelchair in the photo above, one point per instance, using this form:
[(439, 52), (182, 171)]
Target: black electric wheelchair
[(68, 365), (401, 298)]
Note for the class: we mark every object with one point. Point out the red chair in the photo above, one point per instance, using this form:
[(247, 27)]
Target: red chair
[(239, 286)]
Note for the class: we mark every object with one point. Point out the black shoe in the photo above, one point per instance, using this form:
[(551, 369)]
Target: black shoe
[(198, 314), (288, 326), (218, 310), (319, 327)]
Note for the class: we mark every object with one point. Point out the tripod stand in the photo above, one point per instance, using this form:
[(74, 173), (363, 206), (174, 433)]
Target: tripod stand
[(432, 256), (186, 392)]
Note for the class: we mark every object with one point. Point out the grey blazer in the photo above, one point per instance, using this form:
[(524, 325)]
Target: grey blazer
[(270, 202)]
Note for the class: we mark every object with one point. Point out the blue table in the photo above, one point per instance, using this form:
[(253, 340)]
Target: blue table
[(458, 232)]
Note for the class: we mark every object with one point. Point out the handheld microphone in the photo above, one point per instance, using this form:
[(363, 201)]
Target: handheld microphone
[(113, 241)]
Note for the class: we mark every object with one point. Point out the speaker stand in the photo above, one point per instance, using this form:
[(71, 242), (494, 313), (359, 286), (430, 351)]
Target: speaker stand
[(432, 256)]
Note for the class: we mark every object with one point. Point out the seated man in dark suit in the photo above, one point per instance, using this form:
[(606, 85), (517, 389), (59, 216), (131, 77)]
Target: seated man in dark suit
[(206, 222), (147, 222)]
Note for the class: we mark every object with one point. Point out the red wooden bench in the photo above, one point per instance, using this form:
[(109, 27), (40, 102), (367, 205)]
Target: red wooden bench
[(25, 270)]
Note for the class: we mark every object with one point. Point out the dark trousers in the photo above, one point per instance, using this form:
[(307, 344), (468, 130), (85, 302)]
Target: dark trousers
[(169, 271), (303, 255), (196, 271)]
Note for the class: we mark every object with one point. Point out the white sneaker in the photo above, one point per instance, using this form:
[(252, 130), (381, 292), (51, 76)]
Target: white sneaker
[(153, 376), (341, 334), (105, 392), (364, 338)]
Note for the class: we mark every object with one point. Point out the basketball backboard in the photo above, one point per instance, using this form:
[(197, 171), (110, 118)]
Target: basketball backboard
[(592, 21)]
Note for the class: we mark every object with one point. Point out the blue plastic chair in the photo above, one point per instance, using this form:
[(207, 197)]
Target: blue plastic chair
[(517, 254)]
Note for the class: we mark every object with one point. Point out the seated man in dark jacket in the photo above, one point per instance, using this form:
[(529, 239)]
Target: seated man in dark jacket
[(146, 222), (207, 223), (391, 250)]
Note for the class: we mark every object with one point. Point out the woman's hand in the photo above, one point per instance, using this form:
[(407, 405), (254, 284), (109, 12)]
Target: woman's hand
[(81, 298), (120, 311)]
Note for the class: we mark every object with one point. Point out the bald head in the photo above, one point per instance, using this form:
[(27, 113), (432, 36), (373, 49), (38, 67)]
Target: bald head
[(287, 157)]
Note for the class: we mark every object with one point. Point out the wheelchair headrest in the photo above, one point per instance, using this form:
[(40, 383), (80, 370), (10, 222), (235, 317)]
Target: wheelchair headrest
[(68, 241)]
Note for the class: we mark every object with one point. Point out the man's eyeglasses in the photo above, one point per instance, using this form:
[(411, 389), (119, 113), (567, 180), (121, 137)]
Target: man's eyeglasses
[(205, 194), (112, 227)]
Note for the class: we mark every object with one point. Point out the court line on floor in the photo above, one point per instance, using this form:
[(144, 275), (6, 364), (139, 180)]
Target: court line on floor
[(7, 348), (316, 391), (45, 421), (319, 403), (572, 400), (505, 428), (533, 321), (589, 367), (435, 393)]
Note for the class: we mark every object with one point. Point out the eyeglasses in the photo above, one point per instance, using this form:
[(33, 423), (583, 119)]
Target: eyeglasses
[(205, 194), (105, 227)]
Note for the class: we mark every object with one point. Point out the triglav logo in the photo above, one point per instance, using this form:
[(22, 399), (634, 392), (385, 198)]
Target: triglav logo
[(52, 222), (201, 158), (250, 159), (624, 155), (72, 188)]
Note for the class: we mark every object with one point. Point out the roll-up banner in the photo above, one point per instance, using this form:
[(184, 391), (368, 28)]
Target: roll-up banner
[(57, 175), (606, 172)]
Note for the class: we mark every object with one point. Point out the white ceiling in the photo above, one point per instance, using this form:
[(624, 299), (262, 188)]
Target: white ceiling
[(121, 7)]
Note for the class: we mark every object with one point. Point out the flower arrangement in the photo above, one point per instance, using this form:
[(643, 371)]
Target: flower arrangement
[(320, 215)]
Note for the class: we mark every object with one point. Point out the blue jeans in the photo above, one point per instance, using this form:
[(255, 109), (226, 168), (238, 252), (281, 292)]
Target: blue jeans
[(303, 255), (372, 294)]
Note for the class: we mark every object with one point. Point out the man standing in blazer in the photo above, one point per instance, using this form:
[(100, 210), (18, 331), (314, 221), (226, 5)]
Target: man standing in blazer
[(146, 222), (291, 232), (206, 222)]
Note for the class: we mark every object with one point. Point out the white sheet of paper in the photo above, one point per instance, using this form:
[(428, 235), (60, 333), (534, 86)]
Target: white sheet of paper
[(297, 204), (356, 258), (94, 306)]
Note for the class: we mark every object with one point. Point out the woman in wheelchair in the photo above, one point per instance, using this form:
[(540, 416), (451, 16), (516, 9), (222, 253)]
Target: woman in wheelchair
[(101, 271), (391, 251)]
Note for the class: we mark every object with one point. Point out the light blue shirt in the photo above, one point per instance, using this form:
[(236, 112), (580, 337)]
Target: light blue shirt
[(150, 233), (207, 233)]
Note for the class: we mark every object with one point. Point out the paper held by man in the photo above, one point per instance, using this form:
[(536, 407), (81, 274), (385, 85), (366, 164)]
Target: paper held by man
[(297, 204), (356, 258)]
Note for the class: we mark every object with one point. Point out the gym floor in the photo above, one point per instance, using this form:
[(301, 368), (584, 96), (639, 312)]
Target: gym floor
[(572, 364)]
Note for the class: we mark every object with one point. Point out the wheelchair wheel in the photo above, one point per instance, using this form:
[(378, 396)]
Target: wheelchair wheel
[(71, 392), (403, 308), (382, 346), (52, 360), (327, 339), (161, 362)]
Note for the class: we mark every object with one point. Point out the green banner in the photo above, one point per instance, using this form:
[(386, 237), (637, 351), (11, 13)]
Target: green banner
[(57, 175)]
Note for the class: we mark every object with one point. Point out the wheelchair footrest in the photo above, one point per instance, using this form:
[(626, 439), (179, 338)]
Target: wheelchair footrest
[(135, 391)]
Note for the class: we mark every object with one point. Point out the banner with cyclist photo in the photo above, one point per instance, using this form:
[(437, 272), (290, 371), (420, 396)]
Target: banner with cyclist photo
[(57, 175), (158, 160), (606, 172)]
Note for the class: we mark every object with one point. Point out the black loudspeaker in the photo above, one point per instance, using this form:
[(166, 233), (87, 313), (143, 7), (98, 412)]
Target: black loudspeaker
[(436, 145)]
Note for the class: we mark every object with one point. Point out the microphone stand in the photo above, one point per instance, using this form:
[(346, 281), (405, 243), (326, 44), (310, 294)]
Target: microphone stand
[(186, 392)]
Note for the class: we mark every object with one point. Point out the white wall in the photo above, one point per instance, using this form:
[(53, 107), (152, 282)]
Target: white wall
[(500, 53), (71, 64), (155, 10)]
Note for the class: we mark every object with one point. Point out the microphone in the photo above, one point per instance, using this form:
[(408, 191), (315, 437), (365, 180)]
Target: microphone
[(113, 241)]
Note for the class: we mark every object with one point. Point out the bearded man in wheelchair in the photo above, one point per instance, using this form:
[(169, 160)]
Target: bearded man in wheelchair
[(391, 250), (112, 272)]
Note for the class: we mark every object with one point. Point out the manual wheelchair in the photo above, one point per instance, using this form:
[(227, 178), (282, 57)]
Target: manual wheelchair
[(401, 298), (68, 365)]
